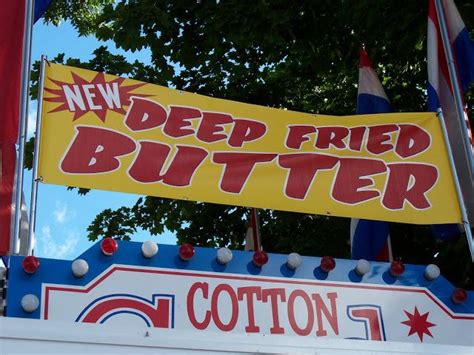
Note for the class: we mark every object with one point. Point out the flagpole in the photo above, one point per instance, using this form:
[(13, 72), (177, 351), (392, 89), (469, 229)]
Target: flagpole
[(462, 206), (455, 83), (35, 180), (257, 244), (25, 81)]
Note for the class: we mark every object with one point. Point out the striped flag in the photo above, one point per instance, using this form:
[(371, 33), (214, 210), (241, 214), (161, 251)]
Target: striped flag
[(12, 30), (252, 238), (12, 25), (442, 91), (370, 239)]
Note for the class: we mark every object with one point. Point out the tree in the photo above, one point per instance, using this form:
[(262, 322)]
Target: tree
[(299, 55)]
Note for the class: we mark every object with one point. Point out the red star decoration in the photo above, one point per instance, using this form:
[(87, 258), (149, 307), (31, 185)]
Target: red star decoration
[(418, 324), (99, 80)]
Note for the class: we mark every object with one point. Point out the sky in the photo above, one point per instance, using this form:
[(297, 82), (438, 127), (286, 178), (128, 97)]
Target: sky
[(63, 216)]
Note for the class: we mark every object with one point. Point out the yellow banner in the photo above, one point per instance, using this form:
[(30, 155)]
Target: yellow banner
[(104, 132)]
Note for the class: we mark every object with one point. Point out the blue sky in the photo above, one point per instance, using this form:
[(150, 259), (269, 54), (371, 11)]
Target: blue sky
[(63, 216)]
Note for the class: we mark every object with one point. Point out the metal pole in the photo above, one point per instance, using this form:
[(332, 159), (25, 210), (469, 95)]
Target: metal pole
[(455, 83), (257, 243), (25, 85), (462, 206), (35, 180)]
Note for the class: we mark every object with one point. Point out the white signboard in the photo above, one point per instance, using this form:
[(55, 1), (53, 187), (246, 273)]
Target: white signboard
[(246, 304)]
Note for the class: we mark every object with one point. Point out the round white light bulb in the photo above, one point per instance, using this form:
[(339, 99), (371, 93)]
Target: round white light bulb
[(29, 303), (294, 261), (79, 267), (149, 249), (362, 267), (432, 272), (224, 255)]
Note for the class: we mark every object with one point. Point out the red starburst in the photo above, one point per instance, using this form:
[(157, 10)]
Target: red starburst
[(98, 95), (418, 324)]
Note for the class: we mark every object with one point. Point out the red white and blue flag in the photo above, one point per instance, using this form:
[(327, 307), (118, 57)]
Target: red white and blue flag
[(12, 29), (441, 88), (12, 20), (370, 240), (252, 238)]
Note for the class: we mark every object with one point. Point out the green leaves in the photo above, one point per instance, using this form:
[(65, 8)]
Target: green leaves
[(119, 223), (198, 223), (82, 14)]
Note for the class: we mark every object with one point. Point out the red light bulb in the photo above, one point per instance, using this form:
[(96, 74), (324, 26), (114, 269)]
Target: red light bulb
[(259, 258), (327, 263), (459, 295), (30, 264), (186, 251), (397, 268), (108, 246)]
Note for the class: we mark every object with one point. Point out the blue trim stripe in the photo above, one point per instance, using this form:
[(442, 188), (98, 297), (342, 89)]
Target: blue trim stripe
[(129, 253)]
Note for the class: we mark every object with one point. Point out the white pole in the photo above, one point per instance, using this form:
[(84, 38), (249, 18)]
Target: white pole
[(35, 179), (25, 85), (455, 83), (462, 206)]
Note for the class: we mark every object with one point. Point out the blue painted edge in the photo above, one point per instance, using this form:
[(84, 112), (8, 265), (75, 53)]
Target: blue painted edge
[(129, 253)]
